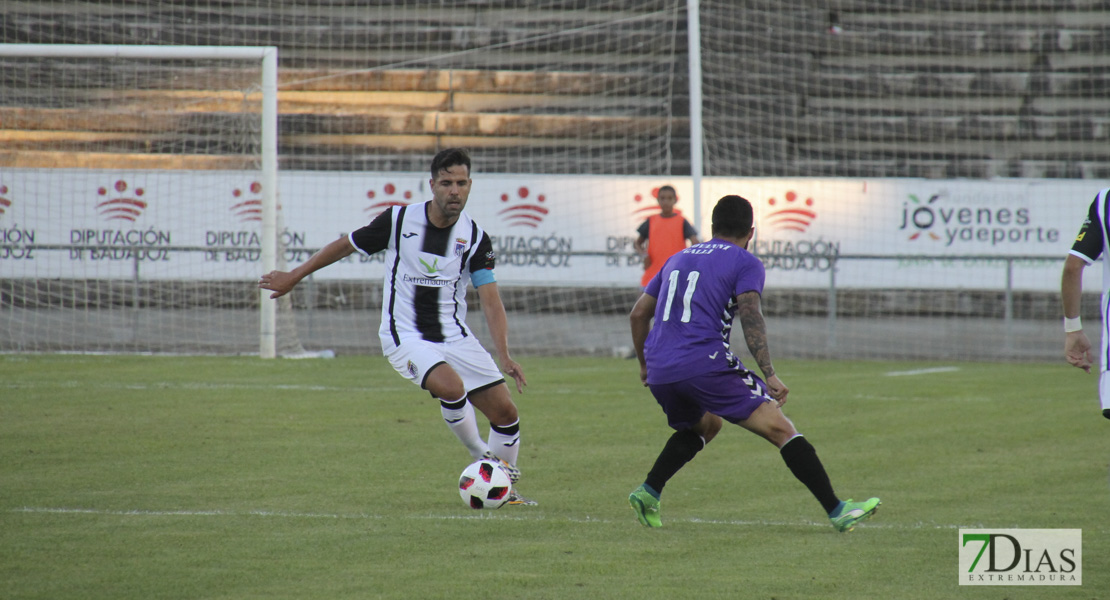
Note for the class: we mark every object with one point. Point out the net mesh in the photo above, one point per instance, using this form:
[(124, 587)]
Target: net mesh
[(564, 103), (132, 192), (896, 89)]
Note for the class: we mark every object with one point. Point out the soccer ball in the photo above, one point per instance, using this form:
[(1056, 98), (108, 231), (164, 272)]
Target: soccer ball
[(485, 485)]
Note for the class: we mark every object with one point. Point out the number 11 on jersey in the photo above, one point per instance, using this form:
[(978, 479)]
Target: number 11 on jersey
[(672, 284)]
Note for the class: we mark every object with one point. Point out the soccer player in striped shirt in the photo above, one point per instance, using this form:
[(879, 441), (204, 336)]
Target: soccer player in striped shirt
[(686, 361), (1093, 241), (433, 251)]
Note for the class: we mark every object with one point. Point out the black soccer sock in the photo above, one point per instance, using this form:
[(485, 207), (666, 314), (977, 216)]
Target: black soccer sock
[(680, 449), (801, 458), (1106, 413)]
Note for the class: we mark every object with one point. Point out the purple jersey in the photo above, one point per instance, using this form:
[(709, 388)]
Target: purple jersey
[(695, 296)]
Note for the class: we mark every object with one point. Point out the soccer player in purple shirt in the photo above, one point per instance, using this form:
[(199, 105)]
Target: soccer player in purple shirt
[(686, 361)]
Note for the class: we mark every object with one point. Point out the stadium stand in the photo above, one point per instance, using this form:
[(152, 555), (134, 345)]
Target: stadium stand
[(394, 116), (913, 89), (908, 89)]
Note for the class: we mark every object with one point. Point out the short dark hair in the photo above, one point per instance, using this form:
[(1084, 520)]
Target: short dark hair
[(448, 158), (732, 217), (665, 187)]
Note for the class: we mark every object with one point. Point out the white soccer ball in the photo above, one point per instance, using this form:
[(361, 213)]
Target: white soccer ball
[(485, 485)]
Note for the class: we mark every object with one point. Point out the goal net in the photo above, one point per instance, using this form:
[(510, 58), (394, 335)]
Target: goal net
[(134, 185), (917, 169), (920, 169), (573, 119)]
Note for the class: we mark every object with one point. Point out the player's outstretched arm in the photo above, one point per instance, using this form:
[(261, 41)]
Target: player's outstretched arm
[(749, 310), (282, 282), (1077, 348), (498, 323)]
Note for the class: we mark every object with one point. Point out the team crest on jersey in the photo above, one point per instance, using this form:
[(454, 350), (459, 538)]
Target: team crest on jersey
[(460, 246), (413, 371)]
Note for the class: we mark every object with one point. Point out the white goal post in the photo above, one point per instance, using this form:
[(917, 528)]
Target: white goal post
[(268, 57)]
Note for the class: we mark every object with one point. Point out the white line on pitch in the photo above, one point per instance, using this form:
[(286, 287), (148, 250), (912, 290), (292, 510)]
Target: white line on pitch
[(922, 371), (500, 515), (169, 385)]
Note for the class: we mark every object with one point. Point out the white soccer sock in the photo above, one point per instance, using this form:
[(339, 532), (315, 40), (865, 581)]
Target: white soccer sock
[(459, 415), (504, 441)]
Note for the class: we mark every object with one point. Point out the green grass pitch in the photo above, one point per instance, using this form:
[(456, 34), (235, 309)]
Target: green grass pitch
[(166, 477)]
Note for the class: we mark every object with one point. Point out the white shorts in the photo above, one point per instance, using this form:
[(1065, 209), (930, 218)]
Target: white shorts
[(415, 358)]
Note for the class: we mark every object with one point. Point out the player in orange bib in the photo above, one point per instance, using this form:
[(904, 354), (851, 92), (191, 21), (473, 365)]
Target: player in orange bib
[(663, 235)]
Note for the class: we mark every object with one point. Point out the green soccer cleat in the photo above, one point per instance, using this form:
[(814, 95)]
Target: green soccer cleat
[(646, 507), (852, 512)]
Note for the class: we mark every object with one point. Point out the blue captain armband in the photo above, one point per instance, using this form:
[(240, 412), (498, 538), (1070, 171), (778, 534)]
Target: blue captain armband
[(482, 277)]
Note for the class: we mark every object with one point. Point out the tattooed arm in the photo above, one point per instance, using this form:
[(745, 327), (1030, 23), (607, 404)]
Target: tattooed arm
[(755, 330), (755, 335)]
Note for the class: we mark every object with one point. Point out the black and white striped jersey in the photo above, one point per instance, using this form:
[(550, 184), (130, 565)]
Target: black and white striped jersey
[(428, 270), (1092, 239)]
